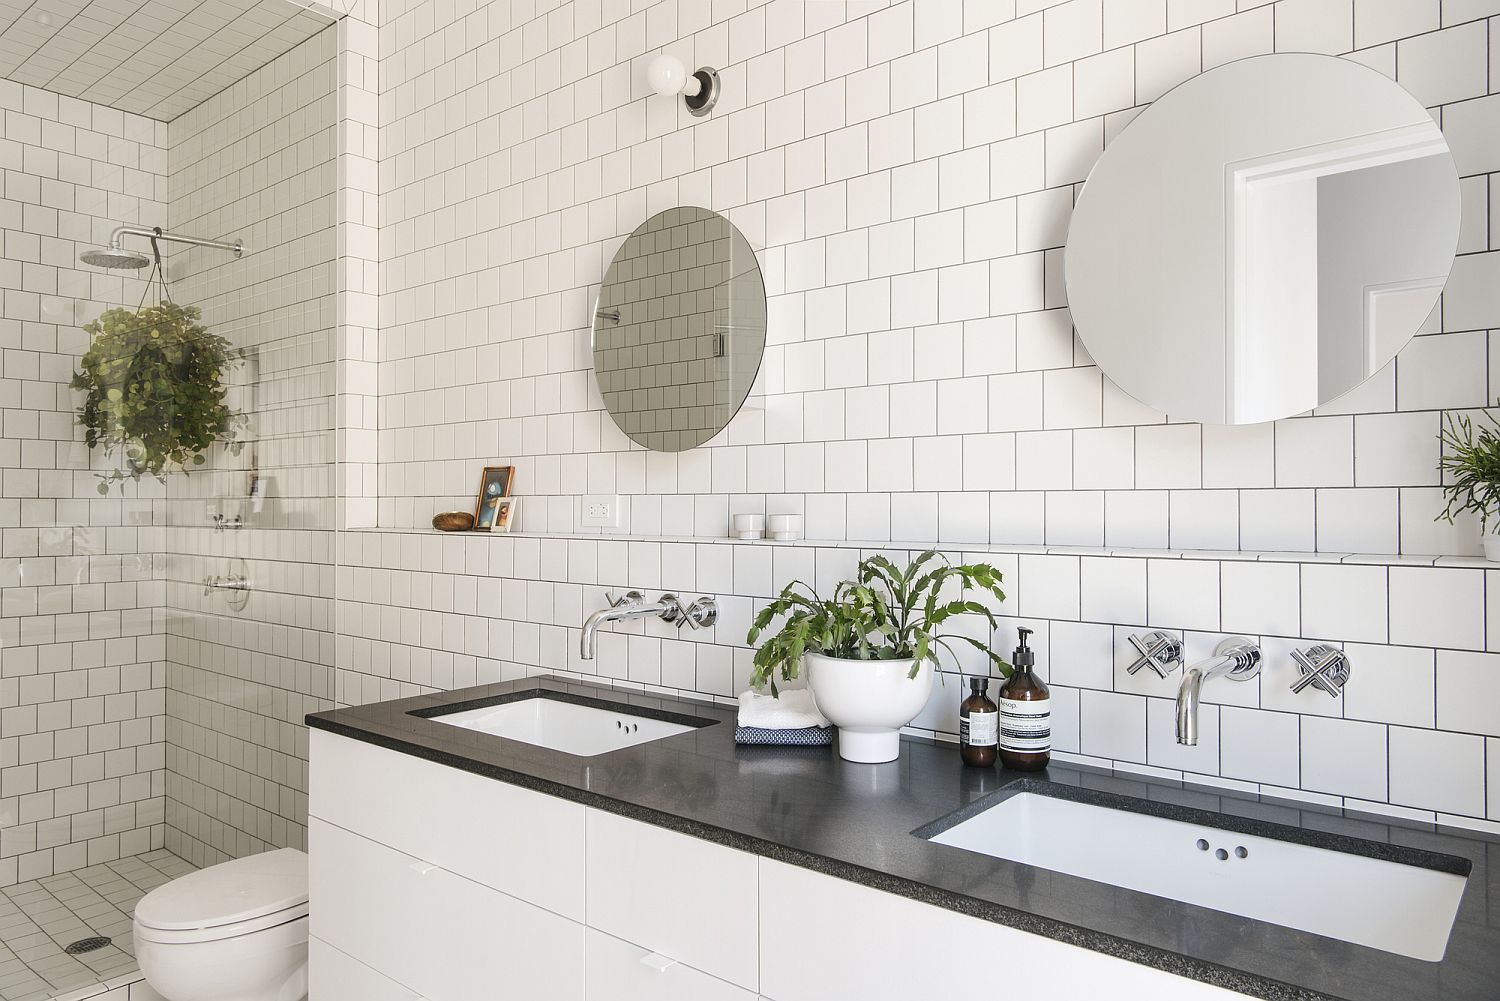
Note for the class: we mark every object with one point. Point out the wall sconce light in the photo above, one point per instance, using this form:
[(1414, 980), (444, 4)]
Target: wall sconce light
[(700, 91)]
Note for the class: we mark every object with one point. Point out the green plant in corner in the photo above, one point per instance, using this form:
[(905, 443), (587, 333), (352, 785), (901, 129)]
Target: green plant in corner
[(1471, 460), (883, 614), (154, 390)]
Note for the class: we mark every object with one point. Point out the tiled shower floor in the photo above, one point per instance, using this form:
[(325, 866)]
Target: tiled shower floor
[(39, 918)]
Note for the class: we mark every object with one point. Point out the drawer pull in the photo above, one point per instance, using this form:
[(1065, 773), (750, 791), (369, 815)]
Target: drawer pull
[(423, 868), (658, 962)]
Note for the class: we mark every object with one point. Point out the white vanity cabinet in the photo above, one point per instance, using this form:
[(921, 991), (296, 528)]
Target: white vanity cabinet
[(686, 899), (429, 883), (439, 933), (616, 970), (877, 946), (337, 976)]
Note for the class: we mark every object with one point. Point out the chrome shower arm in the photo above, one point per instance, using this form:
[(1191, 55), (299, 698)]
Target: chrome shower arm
[(237, 248)]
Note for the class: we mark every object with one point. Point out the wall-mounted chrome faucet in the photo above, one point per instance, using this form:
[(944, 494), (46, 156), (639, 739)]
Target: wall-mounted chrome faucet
[(1236, 658), (632, 605)]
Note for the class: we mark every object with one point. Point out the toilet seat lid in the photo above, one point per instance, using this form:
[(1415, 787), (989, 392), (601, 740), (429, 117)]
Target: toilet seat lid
[(228, 893)]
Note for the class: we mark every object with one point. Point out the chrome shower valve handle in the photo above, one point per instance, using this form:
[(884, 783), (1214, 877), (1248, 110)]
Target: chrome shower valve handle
[(1325, 667), (1160, 651)]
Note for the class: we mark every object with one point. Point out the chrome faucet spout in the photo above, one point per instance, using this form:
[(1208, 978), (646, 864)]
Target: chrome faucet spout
[(1236, 658), (1187, 706), (632, 606)]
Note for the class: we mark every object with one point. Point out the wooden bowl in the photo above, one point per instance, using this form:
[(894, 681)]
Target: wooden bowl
[(453, 521)]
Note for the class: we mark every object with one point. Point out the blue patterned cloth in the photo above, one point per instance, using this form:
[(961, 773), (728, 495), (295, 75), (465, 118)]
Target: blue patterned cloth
[(811, 736)]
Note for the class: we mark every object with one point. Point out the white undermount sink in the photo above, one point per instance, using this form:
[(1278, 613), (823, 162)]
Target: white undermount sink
[(563, 726), (1404, 909)]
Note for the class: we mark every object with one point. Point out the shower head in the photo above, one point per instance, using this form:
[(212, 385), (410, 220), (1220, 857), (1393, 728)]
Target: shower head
[(115, 258)]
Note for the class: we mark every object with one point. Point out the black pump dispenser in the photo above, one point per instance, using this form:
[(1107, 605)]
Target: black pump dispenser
[(1025, 712), (1024, 658)]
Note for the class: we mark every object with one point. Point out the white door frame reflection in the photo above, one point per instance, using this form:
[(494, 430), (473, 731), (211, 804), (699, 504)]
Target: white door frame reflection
[(1289, 335)]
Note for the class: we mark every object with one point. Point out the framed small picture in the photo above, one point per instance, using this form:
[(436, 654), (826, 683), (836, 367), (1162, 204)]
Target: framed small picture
[(505, 514), (494, 487)]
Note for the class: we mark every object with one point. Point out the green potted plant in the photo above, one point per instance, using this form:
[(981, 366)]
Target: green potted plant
[(871, 648), (154, 390), (1471, 466)]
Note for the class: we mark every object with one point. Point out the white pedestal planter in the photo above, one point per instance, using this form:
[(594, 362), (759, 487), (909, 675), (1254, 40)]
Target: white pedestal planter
[(1491, 539), (869, 701)]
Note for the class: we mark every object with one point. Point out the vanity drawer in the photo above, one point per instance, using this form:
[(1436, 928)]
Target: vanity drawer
[(618, 971), (523, 843), (336, 976), (444, 936), (878, 946), (675, 895)]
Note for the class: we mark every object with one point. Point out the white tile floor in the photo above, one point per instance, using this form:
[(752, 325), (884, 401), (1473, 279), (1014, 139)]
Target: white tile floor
[(38, 919)]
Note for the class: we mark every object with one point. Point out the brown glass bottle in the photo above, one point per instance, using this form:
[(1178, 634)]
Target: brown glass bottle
[(1025, 714), (978, 725)]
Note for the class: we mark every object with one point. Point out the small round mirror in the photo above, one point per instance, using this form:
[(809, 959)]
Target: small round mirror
[(679, 329), (1262, 239)]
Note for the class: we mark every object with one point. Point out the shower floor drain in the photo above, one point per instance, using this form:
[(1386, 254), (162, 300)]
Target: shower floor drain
[(87, 945)]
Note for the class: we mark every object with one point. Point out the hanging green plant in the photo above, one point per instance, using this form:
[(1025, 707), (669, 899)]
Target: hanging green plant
[(155, 389)]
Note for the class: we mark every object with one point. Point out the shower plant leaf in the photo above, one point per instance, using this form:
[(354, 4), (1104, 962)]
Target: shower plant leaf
[(1471, 459), (154, 385), (885, 613)]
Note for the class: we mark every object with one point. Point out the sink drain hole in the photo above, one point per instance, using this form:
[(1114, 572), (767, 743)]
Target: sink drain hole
[(87, 945)]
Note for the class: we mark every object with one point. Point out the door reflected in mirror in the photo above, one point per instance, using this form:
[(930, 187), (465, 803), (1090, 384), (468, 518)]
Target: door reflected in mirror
[(1263, 239), (679, 329)]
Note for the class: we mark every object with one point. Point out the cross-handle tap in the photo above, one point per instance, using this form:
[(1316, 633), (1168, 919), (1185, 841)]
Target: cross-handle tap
[(1160, 651), (669, 608), (1236, 658), (1325, 667)]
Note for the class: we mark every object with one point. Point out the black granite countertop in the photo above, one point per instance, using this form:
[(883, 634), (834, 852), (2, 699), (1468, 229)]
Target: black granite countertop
[(807, 807)]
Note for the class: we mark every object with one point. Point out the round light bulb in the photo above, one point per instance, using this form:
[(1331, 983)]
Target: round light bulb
[(667, 75)]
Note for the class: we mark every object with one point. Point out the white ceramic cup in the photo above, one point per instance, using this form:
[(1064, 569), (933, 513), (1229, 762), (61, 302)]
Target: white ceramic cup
[(784, 527), (749, 526)]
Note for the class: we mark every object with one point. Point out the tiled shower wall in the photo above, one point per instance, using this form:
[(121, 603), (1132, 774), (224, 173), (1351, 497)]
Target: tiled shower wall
[(256, 162), (907, 170), (82, 656)]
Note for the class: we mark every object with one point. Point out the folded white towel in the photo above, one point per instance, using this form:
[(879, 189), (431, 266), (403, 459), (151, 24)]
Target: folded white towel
[(794, 710)]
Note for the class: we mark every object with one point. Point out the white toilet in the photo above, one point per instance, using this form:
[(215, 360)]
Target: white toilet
[(236, 931)]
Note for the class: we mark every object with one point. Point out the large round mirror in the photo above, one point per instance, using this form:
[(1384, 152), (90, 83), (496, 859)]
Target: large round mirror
[(1262, 239), (679, 329)]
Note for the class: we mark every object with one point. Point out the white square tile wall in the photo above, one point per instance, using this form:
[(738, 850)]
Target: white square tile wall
[(259, 162), (908, 189), (906, 170), (82, 656)]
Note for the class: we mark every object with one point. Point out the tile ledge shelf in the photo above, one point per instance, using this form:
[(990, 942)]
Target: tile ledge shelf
[(999, 548)]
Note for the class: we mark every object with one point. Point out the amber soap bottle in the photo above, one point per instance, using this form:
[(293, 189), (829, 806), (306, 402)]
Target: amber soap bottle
[(1025, 713), (978, 725)]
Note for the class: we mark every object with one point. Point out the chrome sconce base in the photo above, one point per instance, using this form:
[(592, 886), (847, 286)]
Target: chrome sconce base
[(703, 102)]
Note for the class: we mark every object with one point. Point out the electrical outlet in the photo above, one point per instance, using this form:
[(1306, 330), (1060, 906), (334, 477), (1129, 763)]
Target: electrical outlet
[(601, 511)]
